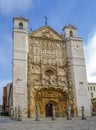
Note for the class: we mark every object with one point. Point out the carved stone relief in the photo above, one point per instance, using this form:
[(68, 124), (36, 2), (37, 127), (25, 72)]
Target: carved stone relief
[(36, 79), (44, 55), (35, 69), (47, 34), (59, 61), (61, 71), (49, 81), (37, 59), (37, 51), (62, 81)]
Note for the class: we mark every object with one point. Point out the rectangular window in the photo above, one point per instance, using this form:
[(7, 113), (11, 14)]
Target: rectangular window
[(93, 88)]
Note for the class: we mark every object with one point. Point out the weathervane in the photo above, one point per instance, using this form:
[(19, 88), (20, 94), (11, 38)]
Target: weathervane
[(46, 19)]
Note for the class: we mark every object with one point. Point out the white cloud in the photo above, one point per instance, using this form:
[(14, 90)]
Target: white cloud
[(90, 54), (11, 6)]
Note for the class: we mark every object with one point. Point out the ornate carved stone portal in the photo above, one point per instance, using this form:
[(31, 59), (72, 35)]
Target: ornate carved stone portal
[(49, 75), (46, 98)]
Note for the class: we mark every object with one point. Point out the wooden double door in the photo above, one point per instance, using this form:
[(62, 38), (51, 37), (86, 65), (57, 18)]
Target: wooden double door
[(49, 108)]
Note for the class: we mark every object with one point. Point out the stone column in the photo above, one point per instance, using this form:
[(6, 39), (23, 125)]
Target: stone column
[(83, 113), (53, 113), (37, 113)]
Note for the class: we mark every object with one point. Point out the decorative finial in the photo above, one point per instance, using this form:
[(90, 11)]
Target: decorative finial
[(46, 19)]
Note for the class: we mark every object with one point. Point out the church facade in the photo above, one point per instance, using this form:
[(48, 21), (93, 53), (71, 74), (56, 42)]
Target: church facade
[(48, 70)]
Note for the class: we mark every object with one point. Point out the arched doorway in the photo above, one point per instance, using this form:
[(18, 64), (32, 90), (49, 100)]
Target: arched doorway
[(49, 107), (46, 98)]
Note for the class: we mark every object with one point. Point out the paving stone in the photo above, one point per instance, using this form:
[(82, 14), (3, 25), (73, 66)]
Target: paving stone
[(48, 124)]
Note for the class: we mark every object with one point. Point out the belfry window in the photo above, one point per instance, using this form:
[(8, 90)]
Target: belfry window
[(20, 25), (71, 33)]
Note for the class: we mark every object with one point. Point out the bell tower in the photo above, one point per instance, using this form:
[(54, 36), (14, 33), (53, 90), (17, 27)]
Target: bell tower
[(20, 50), (75, 55)]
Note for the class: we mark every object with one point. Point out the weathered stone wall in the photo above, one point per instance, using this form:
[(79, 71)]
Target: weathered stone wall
[(20, 49)]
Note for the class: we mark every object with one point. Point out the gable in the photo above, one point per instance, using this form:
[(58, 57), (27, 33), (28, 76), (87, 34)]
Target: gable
[(46, 32)]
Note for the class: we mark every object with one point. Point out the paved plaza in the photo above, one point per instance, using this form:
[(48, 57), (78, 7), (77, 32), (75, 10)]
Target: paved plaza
[(48, 124)]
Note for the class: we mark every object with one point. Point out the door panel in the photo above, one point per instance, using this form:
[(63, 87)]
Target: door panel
[(49, 110)]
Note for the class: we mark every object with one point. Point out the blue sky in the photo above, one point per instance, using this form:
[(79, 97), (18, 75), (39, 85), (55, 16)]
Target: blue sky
[(80, 13)]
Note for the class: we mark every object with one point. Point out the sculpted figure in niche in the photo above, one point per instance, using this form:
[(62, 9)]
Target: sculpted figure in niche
[(62, 81), (61, 71), (31, 92), (54, 80), (44, 80), (49, 77), (37, 69), (36, 80)]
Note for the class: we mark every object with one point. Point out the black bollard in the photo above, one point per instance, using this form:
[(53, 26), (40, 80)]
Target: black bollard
[(37, 113), (69, 113), (83, 113), (53, 113)]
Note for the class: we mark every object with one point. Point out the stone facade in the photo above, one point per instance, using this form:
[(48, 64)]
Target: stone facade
[(92, 96), (47, 71), (92, 90)]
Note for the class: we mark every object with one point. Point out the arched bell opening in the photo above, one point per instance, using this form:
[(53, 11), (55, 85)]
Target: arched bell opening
[(20, 25)]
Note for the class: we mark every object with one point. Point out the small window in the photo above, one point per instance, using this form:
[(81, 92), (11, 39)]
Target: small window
[(93, 88), (20, 25), (71, 33)]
